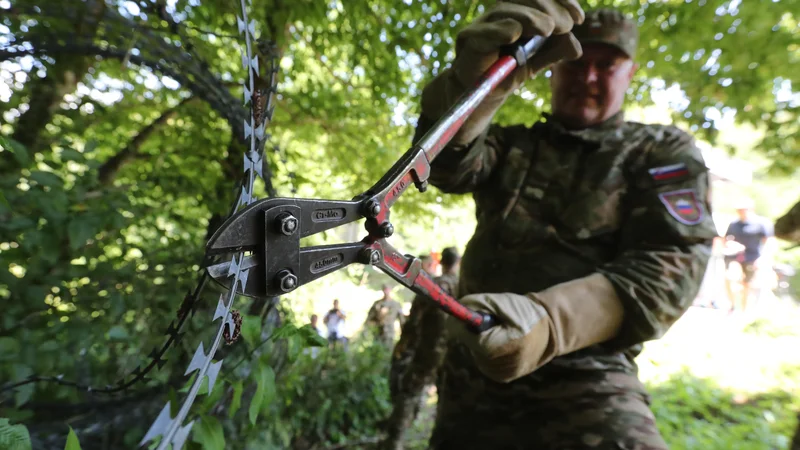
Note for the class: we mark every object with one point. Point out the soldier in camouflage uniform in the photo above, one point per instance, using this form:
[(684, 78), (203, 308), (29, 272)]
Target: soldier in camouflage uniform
[(383, 314), (418, 354), (593, 236)]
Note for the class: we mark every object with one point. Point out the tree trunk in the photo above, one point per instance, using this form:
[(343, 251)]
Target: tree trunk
[(46, 93), (796, 440), (788, 226)]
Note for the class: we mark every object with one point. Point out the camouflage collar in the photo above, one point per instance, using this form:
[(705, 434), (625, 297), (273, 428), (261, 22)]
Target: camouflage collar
[(595, 134)]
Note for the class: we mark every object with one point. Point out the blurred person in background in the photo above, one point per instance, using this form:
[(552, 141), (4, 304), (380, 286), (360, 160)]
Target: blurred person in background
[(749, 250)]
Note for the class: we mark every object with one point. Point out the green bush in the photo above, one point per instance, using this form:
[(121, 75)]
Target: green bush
[(331, 398), (696, 413)]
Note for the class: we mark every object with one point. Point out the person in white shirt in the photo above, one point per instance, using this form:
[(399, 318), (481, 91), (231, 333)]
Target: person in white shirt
[(334, 320)]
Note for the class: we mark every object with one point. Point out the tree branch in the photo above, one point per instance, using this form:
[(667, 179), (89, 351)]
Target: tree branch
[(108, 171)]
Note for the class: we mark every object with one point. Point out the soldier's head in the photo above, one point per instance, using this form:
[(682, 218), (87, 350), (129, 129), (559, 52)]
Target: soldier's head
[(314, 319), (336, 303), (427, 262), (387, 290), (591, 89), (450, 259)]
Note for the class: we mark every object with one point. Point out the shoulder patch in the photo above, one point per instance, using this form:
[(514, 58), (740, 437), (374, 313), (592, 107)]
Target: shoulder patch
[(683, 205), (671, 172)]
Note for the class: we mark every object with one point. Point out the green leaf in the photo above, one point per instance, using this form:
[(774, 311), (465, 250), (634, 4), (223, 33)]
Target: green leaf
[(69, 154), (236, 401), (48, 346), (9, 348), (208, 433), (79, 230), (174, 404), (18, 150), (311, 338), (72, 441), (286, 330), (251, 330), (265, 391), (46, 178), (14, 437), (4, 201), (23, 393)]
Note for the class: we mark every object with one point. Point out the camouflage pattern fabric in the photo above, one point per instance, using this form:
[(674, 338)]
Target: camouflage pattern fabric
[(609, 422), (624, 199), (381, 318), (416, 360)]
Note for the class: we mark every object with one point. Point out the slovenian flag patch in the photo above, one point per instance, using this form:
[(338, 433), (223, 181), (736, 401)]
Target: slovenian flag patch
[(683, 205), (671, 172)]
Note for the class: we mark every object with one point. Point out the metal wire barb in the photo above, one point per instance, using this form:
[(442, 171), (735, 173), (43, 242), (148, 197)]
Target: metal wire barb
[(171, 429)]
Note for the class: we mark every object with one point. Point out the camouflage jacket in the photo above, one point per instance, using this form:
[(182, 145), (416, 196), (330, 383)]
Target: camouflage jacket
[(383, 315), (628, 200), (418, 354)]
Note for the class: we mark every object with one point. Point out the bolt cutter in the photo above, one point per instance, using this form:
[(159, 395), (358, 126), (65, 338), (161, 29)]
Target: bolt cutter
[(271, 229)]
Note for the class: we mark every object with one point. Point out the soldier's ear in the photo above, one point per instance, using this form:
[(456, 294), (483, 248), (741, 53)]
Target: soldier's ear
[(634, 68)]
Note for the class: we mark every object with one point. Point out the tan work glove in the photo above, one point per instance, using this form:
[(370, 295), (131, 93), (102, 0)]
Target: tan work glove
[(535, 328), (477, 48)]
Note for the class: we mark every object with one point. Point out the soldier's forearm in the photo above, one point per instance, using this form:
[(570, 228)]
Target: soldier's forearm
[(656, 288)]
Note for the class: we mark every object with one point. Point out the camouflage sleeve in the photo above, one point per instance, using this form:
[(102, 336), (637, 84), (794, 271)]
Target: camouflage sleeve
[(401, 318), (461, 169), (665, 238), (372, 316)]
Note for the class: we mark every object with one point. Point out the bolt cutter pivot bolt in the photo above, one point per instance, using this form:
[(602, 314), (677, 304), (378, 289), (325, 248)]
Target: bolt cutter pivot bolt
[(386, 229), (287, 280), (287, 223), (372, 208), (369, 256)]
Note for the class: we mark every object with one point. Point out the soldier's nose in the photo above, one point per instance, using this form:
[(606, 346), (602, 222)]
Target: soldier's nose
[(590, 74)]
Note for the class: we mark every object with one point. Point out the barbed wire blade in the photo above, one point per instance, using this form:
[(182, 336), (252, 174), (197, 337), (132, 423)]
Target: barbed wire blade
[(248, 95), (252, 27), (248, 129), (222, 311), (159, 426), (244, 198), (260, 131), (243, 274), (245, 61), (233, 269), (248, 163), (181, 435), (172, 330), (258, 166), (240, 24), (211, 373), (254, 64), (198, 360), (157, 357)]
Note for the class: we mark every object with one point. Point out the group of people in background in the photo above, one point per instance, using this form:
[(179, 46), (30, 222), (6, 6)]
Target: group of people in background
[(386, 311), (334, 321)]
